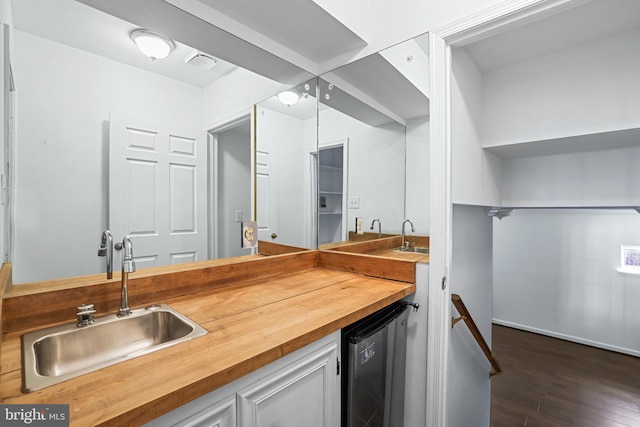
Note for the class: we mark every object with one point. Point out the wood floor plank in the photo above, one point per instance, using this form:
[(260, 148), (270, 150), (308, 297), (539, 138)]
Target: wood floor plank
[(551, 382)]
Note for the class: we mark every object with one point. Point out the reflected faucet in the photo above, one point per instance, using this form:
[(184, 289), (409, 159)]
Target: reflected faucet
[(128, 266), (379, 227), (106, 250), (413, 230)]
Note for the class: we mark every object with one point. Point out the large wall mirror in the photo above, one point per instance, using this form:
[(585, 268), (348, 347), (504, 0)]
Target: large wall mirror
[(373, 143), (355, 144), (82, 84)]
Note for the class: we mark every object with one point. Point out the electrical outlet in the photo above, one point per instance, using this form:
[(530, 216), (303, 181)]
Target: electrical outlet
[(359, 229), (238, 216), (354, 202)]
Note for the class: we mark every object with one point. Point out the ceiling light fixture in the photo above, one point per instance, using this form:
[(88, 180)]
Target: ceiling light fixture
[(289, 97), (151, 44)]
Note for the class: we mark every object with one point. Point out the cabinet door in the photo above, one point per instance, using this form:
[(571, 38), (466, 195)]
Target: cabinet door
[(304, 393), (222, 413)]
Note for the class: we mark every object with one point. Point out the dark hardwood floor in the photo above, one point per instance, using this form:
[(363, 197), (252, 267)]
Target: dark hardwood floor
[(551, 382)]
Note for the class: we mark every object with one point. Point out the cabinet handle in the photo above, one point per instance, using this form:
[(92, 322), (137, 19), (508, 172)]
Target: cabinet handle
[(274, 236)]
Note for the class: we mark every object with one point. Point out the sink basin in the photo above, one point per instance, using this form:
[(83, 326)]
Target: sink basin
[(419, 250), (56, 354)]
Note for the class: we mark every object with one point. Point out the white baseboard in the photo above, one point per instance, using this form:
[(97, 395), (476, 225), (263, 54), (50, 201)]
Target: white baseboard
[(566, 337)]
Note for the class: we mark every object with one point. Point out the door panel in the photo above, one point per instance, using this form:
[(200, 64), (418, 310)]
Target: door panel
[(157, 191), (267, 214)]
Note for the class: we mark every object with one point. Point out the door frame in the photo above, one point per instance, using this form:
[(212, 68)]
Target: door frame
[(315, 182), (213, 179), (7, 186), (488, 22)]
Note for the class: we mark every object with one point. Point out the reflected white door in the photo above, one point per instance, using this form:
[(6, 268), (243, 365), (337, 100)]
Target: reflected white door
[(157, 191), (267, 203)]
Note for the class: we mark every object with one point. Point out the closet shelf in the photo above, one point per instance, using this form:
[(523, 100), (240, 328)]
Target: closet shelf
[(621, 138), (504, 211)]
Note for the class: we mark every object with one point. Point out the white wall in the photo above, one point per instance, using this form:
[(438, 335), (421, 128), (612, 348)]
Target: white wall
[(376, 168), (64, 96), (417, 191), (556, 273), (475, 174), (469, 386), (234, 188), (594, 178), (6, 12), (587, 89), (234, 94)]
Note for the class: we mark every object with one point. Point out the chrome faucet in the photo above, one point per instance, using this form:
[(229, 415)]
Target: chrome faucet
[(379, 227), (128, 266), (413, 230), (106, 250), (85, 315)]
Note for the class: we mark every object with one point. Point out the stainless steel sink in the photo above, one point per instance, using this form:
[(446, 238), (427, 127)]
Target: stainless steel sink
[(419, 250), (59, 353)]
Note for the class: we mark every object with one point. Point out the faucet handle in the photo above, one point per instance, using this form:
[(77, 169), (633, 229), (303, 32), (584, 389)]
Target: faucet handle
[(85, 315)]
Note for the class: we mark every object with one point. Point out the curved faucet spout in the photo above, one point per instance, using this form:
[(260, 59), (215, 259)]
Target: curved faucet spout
[(379, 227), (128, 266), (413, 230)]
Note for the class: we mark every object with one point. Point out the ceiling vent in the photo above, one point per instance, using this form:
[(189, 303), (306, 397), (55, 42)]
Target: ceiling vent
[(200, 60)]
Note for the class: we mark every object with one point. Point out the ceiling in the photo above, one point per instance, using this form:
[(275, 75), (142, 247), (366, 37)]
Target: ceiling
[(77, 25), (584, 23), (314, 36), (301, 26)]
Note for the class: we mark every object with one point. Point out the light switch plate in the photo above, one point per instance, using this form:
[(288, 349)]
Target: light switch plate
[(354, 202)]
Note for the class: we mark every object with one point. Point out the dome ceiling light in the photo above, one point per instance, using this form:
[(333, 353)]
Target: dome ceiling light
[(151, 44), (289, 97)]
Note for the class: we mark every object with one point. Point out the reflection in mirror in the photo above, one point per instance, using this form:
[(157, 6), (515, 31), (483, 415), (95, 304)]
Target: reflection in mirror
[(373, 130), (81, 83), (286, 145)]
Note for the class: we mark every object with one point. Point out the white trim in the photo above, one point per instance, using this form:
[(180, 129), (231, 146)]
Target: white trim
[(629, 272), (313, 182), (212, 199), (230, 121), (567, 337), (500, 18), (439, 307), (236, 119)]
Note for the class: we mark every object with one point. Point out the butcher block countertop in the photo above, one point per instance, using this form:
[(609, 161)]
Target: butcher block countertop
[(250, 322), (386, 246)]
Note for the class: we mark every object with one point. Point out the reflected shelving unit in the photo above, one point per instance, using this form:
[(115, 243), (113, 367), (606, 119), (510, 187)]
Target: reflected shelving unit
[(331, 194)]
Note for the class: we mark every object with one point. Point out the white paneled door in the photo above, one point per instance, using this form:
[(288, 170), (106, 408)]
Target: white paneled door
[(157, 191), (267, 199)]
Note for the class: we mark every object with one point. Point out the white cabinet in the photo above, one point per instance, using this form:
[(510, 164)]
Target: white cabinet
[(216, 409), (219, 414), (302, 394), (300, 389)]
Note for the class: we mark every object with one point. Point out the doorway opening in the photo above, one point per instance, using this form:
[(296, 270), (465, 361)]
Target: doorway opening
[(230, 186), (332, 191)]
